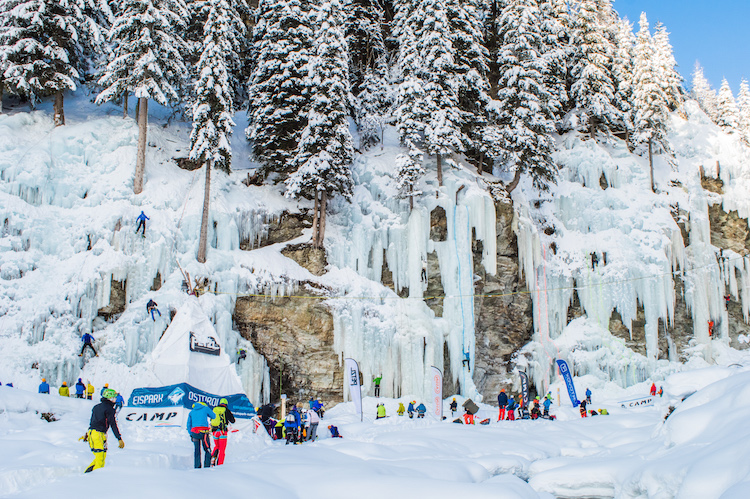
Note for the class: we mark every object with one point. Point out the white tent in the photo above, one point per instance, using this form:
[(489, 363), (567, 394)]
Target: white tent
[(190, 352)]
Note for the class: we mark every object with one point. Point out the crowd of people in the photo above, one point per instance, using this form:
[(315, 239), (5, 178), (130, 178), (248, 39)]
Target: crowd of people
[(298, 425)]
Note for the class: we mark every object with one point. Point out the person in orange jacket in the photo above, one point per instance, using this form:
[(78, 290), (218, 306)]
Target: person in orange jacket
[(468, 418)]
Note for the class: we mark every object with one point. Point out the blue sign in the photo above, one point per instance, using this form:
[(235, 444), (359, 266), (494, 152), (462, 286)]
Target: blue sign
[(565, 372), (184, 395)]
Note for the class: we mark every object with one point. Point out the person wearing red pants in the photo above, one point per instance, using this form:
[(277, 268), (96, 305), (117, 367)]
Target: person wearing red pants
[(220, 429), (502, 402)]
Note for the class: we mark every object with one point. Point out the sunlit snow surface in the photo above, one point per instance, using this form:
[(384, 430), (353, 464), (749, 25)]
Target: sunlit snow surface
[(700, 452)]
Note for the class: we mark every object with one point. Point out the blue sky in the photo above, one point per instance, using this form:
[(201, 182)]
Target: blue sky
[(713, 32)]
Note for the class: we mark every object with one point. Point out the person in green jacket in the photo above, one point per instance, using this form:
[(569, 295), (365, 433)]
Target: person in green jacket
[(401, 409), (220, 429), (381, 411), (376, 382), (64, 391)]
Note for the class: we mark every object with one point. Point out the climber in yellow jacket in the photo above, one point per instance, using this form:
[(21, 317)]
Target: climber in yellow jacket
[(64, 391)]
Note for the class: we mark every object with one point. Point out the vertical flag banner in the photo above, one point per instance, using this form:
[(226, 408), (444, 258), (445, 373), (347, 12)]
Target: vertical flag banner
[(436, 385), (565, 372), (352, 379), (525, 388)]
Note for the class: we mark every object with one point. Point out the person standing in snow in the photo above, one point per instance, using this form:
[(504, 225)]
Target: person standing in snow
[(453, 407), (314, 420), (106, 385), (653, 389), (547, 403), (87, 339), (220, 428), (89, 390), (468, 417), (44, 386), (401, 409), (410, 409), (421, 410), (661, 391), (64, 391), (381, 412), (141, 223), (119, 402), (151, 308), (502, 403), (583, 409), (588, 396), (198, 427), (511, 409), (291, 425), (102, 419), (80, 389), (376, 381)]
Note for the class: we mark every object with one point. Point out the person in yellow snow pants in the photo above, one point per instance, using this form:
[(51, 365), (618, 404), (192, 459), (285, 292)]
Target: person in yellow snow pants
[(98, 443)]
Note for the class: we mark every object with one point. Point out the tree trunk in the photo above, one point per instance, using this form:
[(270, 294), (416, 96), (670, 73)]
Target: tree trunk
[(59, 112), (1, 97), (204, 220), (440, 169), (140, 160), (514, 183), (651, 165), (592, 127), (411, 198), (322, 221), (125, 105), (316, 219)]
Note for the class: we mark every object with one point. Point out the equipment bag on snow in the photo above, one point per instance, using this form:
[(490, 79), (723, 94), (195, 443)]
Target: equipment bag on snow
[(470, 406)]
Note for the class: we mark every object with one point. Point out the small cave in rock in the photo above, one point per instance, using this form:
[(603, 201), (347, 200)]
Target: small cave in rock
[(117, 300), (438, 225)]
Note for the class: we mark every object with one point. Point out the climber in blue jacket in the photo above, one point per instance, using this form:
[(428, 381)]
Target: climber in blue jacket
[(141, 223)]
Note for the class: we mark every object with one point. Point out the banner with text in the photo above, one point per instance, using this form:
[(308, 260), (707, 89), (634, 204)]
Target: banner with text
[(525, 389), (436, 382), (637, 402), (352, 379), (184, 395), (565, 372)]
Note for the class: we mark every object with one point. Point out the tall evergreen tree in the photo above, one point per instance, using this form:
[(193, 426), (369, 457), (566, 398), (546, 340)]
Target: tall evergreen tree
[(593, 88), (325, 151), (622, 71), (282, 45), (650, 102), (213, 110), (365, 42), (703, 93), (525, 111), (372, 108), (146, 61), (726, 108), (558, 52), (743, 108), (442, 126), (671, 81), (43, 46)]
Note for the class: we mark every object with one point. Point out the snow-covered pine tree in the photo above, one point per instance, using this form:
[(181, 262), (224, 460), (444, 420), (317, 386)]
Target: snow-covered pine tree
[(650, 102), (471, 68), (325, 150), (671, 81), (213, 109), (410, 114), (703, 93), (364, 37), (442, 125), (593, 88), (558, 52), (42, 46), (372, 108), (146, 61), (622, 71), (726, 108), (239, 43), (282, 45), (743, 108), (524, 114)]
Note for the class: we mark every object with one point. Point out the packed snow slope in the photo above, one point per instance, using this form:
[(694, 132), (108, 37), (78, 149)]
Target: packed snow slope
[(700, 451)]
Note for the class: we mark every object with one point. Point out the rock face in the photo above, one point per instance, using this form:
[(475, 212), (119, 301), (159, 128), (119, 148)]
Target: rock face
[(117, 300), (295, 335), (502, 310), (313, 259)]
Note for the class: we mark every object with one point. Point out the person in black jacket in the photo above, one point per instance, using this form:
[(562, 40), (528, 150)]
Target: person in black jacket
[(102, 419), (266, 413)]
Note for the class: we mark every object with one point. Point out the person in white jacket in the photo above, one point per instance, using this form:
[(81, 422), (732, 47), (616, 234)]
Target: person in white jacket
[(312, 420)]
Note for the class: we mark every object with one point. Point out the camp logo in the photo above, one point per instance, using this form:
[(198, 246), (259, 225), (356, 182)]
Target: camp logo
[(176, 396), (207, 344)]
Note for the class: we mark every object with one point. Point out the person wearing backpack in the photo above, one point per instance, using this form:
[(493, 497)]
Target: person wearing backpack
[(220, 429), (547, 403), (421, 410), (291, 425), (198, 426), (502, 403), (80, 389), (314, 420), (511, 414)]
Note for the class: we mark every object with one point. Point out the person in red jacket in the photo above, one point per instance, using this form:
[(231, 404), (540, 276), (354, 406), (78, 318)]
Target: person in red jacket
[(653, 389)]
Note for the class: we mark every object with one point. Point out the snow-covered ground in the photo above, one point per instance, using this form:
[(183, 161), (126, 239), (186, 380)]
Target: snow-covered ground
[(700, 452)]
